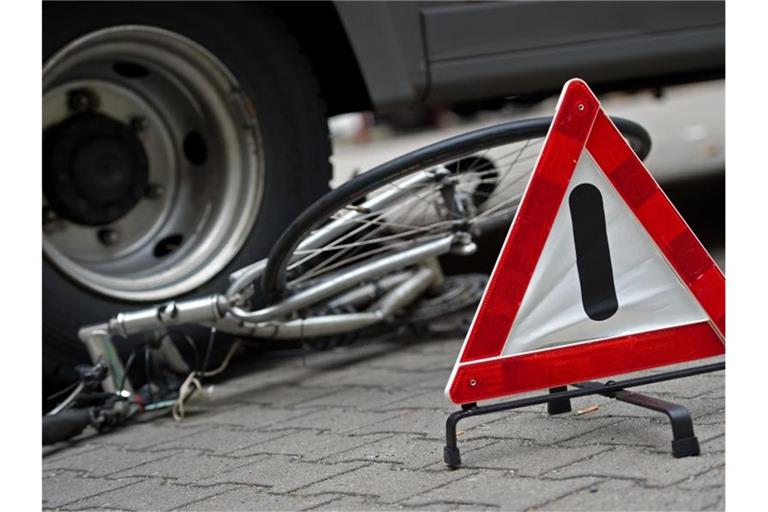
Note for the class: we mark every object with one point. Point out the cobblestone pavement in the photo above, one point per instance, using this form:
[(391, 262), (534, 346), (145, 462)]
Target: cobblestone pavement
[(361, 429)]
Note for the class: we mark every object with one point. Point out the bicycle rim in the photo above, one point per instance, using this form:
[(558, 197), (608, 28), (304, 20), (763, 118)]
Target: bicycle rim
[(487, 170)]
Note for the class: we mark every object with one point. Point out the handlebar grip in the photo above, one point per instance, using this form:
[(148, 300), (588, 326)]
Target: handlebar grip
[(66, 424)]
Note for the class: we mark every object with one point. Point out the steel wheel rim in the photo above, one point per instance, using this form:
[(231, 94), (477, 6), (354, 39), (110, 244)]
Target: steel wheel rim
[(205, 166), (421, 214)]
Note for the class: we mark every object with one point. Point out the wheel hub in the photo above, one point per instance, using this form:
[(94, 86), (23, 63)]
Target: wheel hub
[(152, 167), (95, 169)]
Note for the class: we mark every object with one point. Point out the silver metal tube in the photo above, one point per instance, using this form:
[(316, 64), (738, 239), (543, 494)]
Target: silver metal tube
[(247, 275), (98, 342), (340, 282), (203, 310), (300, 328), (402, 295), (242, 278), (368, 293), (210, 310), (405, 293)]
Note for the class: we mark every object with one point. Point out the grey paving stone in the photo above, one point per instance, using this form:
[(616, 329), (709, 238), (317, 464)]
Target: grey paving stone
[(687, 388), (246, 416), (415, 362), (435, 382), (61, 488), (151, 494), (525, 458), (389, 483), (360, 398), (651, 468), (712, 478), (282, 474), (62, 451), (717, 416), (218, 440), (349, 430), (448, 347), (103, 461), (433, 400), (501, 489), (536, 426), (255, 498), (187, 467), (626, 495), (336, 420), (654, 433), (426, 423), (369, 377), (139, 435), (407, 451), (355, 504), (453, 507), (99, 509), (345, 357), (309, 445), (713, 445), (698, 407), (288, 396)]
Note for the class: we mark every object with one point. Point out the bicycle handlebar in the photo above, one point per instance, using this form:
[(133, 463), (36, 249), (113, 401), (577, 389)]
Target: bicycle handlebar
[(64, 425)]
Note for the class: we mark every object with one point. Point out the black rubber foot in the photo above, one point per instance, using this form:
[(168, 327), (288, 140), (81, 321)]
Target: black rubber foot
[(452, 457), (559, 406), (687, 447)]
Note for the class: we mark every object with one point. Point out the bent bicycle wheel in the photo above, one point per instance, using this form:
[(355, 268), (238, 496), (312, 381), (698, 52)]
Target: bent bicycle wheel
[(465, 185)]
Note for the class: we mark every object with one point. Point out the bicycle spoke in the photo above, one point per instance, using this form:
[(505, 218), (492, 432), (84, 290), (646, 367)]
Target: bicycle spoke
[(419, 210)]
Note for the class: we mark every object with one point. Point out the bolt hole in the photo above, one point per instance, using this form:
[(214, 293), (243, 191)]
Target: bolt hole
[(195, 149), (130, 69), (168, 245)]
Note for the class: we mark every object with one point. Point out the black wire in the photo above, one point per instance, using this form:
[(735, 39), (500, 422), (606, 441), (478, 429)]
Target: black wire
[(127, 368), (189, 341), (64, 390), (208, 350), (146, 372)]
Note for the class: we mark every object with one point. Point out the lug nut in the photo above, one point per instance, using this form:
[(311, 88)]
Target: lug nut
[(81, 100), (108, 237), (154, 191), (138, 124)]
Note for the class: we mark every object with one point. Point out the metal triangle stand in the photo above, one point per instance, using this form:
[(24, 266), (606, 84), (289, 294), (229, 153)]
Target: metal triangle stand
[(684, 442)]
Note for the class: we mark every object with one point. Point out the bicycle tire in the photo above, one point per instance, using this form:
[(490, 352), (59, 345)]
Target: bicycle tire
[(273, 280)]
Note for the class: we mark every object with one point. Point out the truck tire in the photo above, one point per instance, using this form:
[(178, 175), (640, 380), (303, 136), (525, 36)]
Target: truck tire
[(179, 140)]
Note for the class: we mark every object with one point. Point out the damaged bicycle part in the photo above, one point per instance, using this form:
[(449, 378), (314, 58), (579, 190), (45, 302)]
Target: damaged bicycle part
[(367, 254)]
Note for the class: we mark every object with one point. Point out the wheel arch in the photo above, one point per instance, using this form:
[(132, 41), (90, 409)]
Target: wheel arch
[(318, 28)]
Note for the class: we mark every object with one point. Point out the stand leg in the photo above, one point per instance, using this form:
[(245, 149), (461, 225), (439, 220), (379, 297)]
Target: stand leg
[(558, 405), (451, 453), (684, 442)]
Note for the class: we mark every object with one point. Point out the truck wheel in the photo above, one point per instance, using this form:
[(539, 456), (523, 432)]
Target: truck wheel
[(178, 141)]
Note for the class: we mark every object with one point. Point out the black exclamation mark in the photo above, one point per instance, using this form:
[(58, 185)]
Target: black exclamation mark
[(593, 257)]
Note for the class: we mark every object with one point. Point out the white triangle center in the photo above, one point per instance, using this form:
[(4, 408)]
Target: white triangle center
[(650, 295)]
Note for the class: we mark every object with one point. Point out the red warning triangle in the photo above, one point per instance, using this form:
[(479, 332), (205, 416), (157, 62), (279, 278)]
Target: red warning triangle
[(599, 274)]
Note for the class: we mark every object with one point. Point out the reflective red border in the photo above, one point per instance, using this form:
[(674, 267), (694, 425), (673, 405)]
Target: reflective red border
[(575, 363), (525, 240), (578, 124)]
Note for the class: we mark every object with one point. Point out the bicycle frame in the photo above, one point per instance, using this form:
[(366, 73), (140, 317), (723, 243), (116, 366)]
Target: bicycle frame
[(373, 289), (385, 284)]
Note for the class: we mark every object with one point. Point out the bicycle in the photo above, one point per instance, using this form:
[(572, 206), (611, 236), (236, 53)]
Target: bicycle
[(366, 254)]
